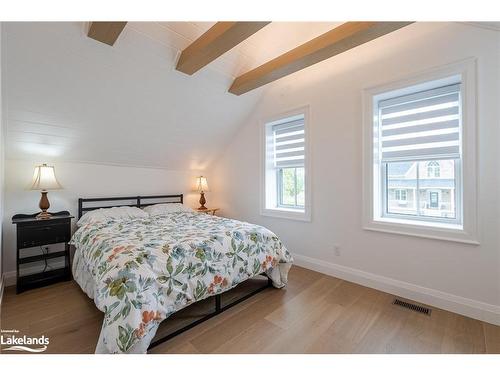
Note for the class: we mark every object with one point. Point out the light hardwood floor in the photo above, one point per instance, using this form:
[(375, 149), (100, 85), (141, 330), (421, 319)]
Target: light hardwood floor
[(314, 314)]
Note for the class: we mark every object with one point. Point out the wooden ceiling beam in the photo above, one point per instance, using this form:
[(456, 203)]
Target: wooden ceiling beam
[(333, 42), (219, 39), (106, 32)]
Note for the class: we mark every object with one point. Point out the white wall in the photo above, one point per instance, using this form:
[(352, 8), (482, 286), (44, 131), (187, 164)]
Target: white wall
[(81, 180), (456, 276)]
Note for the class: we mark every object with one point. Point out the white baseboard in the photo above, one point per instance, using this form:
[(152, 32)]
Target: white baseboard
[(9, 278), (446, 301)]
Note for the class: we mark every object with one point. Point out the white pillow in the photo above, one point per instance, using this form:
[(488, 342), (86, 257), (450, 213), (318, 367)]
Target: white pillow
[(104, 214), (166, 208)]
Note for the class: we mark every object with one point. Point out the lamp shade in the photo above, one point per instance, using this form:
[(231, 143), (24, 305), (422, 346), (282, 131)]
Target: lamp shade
[(44, 178), (201, 184)]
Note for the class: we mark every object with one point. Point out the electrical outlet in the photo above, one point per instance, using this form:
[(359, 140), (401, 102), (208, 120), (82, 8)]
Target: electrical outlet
[(336, 250)]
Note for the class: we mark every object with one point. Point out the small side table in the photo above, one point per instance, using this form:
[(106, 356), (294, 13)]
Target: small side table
[(33, 232), (208, 210)]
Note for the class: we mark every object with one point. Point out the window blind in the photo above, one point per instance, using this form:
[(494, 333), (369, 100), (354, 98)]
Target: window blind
[(289, 143), (423, 125)]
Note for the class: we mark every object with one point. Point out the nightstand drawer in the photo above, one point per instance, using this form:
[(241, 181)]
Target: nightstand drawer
[(39, 235)]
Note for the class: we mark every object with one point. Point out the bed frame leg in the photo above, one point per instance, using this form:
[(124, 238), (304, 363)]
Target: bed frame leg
[(217, 303)]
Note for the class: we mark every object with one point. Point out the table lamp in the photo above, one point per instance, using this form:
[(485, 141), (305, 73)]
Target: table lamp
[(202, 187), (44, 178)]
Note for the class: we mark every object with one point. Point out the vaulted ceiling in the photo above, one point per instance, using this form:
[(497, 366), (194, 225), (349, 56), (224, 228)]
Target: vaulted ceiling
[(69, 97)]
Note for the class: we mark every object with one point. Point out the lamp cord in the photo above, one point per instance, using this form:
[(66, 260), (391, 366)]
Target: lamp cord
[(45, 252)]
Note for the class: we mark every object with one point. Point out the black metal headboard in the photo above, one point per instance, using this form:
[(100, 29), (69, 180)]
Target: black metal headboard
[(135, 201)]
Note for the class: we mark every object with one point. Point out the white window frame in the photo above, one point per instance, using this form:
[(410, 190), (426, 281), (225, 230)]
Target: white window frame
[(373, 220), (265, 173)]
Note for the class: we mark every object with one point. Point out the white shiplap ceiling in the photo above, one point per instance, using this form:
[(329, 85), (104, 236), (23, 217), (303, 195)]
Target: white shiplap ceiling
[(69, 97), (270, 42)]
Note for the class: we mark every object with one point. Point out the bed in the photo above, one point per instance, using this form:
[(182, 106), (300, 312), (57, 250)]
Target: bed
[(139, 271)]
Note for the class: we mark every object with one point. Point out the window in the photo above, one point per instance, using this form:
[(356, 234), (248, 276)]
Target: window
[(291, 187), (426, 192), (285, 171), (400, 195), (433, 169), (419, 156), (411, 129)]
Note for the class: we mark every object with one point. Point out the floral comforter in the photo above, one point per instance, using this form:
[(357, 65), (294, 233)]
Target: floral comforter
[(140, 271)]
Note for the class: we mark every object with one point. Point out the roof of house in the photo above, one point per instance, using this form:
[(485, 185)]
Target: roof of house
[(400, 169)]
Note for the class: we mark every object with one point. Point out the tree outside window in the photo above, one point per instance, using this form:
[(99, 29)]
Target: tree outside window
[(291, 185)]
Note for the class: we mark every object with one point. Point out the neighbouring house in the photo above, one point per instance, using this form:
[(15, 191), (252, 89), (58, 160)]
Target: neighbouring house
[(425, 188)]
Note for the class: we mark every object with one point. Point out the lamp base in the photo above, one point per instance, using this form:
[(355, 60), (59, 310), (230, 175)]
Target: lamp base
[(44, 206), (202, 201), (44, 215)]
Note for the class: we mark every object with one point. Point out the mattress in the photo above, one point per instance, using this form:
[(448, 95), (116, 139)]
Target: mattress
[(140, 271)]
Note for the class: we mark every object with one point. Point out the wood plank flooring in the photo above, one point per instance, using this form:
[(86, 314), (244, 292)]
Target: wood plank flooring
[(314, 314)]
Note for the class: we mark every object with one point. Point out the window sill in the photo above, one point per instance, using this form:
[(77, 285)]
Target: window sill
[(286, 213), (432, 230)]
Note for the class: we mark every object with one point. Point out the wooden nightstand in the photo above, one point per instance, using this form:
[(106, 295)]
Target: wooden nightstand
[(32, 232), (208, 210)]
